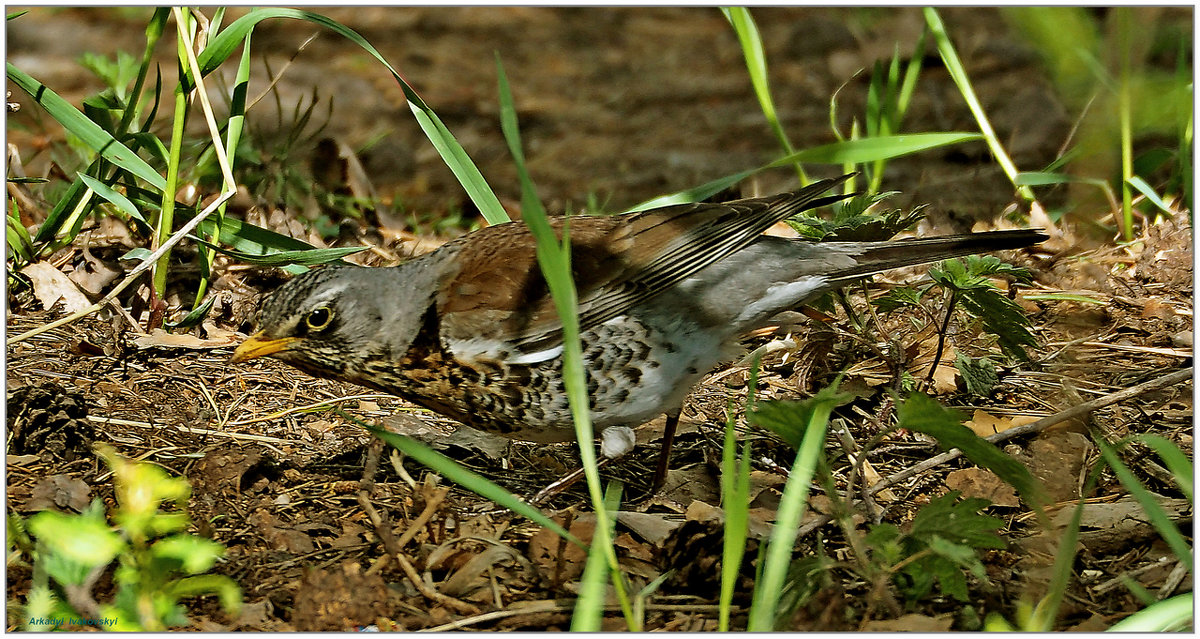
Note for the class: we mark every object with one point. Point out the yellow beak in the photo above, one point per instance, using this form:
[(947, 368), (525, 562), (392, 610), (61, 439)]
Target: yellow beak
[(258, 345)]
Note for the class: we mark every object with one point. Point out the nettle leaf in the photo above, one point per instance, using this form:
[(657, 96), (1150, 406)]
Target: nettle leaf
[(947, 535), (925, 415), (959, 522), (790, 418), (900, 297), (1001, 316), (979, 375), (856, 221)]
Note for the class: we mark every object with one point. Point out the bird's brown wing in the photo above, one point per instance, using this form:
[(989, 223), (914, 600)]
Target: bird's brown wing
[(498, 294)]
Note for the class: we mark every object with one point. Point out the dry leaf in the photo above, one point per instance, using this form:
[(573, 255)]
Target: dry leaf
[(985, 424), (50, 286), (59, 492), (158, 338), (93, 274), (911, 623), (653, 527)]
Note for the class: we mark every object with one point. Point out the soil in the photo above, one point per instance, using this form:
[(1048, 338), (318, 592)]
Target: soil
[(616, 106)]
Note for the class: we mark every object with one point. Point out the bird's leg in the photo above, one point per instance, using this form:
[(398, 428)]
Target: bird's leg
[(664, 452)]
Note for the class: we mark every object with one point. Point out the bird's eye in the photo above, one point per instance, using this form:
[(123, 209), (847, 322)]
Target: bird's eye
[(319, 318)]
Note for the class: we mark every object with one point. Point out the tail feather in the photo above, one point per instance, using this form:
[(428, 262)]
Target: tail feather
[(875, 257)]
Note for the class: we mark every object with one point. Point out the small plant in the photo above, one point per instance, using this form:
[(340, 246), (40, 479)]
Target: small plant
[(967, 285), (942, 541), (158, 563)]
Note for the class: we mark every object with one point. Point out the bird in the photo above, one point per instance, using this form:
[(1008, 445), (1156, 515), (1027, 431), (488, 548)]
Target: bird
[(470, 330)]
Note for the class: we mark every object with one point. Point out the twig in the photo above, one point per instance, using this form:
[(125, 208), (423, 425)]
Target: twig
[(196, 431), (384, 531), (432, 504)]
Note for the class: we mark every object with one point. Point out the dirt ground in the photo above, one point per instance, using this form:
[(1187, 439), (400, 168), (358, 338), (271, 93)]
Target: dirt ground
[(616, 106)]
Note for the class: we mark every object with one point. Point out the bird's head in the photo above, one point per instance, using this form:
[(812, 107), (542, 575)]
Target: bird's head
[(321, 321)]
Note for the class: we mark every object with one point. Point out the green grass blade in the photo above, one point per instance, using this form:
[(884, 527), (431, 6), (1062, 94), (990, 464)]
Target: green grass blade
[(696, 193), (554, 259), (589, 607), (877, 148), (1170, 615), (1145, 189), (310, 257), (468, 175), (778, 555), (234, 125), (1173, 458), (468, 479), (756, 66), (845, 153), (959, 74), (114, 198), (1158, 517), (77, 124), (735, 493)]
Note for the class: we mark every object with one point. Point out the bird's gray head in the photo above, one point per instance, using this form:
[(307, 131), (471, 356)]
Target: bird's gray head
[(321, 321)]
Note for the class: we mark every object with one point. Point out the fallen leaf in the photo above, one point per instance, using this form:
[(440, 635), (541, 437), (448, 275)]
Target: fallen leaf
[(50, 286), (158, 338), (911, 623), (59, 492), (545, 548), (93, 274), (1057, 458), (985, 424), (653, 527)]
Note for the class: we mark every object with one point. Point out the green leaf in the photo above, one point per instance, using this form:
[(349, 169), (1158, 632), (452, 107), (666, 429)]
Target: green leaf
[(1001, 316), (900, 297), (979, 375), (194, 554), (855, 221), (942, 542), (790, 419), (226, 589), (85, 541), (957, 522), (925, 415)]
